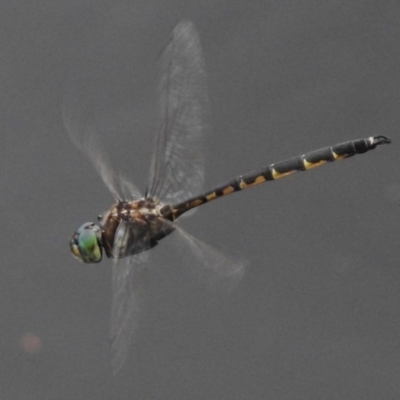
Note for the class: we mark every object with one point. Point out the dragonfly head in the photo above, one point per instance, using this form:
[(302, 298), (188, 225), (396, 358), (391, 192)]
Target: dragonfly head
[(85, 243)]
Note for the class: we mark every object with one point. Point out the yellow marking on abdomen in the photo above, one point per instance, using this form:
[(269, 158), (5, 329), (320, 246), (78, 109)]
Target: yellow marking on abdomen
[(277, 175), (309, 165), (258, 180), (228, 190), (196, 203), (211, 196), (338, 156)]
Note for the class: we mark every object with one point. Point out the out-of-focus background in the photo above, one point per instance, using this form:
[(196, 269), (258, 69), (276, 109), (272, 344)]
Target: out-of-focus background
[(316, 315)]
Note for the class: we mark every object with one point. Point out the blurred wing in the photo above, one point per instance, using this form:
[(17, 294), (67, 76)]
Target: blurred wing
[(207, 264), (211, 266), (84, 137), (128, 288), (177, 168)]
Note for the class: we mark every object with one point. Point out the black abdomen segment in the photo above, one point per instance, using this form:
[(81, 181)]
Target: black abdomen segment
[(281, 169)]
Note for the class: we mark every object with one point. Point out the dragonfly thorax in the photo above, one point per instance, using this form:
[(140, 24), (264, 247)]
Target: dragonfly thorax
[(125, 229), (131, 227)]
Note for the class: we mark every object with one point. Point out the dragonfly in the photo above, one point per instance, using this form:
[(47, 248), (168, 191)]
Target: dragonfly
[(136, 223)]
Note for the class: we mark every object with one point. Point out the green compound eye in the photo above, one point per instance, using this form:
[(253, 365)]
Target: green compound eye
[(85, 243)]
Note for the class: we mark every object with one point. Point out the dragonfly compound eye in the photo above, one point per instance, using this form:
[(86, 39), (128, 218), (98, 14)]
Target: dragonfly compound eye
[(85, 243)]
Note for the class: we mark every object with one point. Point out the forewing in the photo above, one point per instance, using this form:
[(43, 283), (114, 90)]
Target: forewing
[(85, 138), (177, 169), (128, 289), (209, 266)]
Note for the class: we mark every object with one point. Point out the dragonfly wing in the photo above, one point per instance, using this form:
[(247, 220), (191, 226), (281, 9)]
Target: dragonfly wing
[(86, 139), (128, 289), (210, 265), (177, 169), (207, 264)]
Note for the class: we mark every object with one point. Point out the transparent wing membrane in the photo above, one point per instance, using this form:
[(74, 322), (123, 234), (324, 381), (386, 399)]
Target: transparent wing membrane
[(128, 282), (212, 267), (86, 139), (177, 168)]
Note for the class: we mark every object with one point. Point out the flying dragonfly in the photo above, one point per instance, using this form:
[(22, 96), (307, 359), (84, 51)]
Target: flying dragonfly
[(136, 222)]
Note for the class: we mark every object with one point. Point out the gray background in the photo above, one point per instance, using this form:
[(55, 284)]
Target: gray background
[(317, 314)]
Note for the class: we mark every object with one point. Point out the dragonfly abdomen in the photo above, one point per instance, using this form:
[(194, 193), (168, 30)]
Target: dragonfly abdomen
[(282, 169)]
